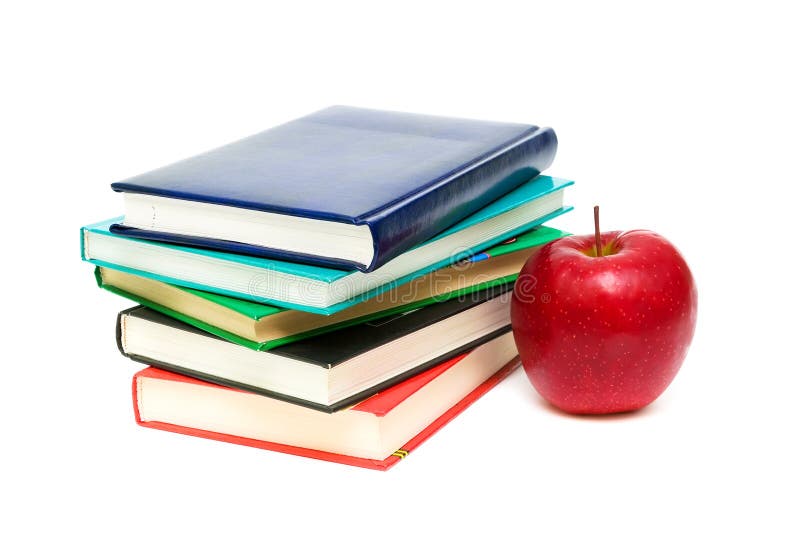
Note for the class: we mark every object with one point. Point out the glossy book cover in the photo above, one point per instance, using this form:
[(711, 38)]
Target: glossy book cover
[(407, 177)]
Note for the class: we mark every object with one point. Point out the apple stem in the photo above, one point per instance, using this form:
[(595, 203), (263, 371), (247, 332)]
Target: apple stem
[(598, 246)]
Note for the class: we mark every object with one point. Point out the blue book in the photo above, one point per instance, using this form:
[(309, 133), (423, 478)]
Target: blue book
[(320, 289), (345, 187)]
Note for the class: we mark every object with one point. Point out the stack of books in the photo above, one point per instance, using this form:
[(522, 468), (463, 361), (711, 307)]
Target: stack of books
[(336, 287)]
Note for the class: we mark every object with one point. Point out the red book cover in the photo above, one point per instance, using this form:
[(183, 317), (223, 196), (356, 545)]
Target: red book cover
[(379, 405)]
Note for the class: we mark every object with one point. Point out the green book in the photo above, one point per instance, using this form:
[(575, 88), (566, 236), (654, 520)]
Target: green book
[(262, 326)]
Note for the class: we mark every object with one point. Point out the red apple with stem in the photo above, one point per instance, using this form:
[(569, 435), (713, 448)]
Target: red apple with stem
[(603, 322)]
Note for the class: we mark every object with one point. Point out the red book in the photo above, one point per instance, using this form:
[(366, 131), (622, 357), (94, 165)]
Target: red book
[(375, 433)]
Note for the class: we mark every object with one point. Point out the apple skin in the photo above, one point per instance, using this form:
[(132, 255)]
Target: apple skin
[(606, 334)]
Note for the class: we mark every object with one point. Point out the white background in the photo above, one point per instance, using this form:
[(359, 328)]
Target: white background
[(681, 118)]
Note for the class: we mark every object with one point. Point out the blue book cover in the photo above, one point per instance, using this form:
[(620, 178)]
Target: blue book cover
[(306, 287), (405, 177)]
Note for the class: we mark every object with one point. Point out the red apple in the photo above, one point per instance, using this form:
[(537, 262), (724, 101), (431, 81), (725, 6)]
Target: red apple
[(604, 334)]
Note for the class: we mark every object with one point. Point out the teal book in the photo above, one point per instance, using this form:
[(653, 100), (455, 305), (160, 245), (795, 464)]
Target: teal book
[(319, 289)]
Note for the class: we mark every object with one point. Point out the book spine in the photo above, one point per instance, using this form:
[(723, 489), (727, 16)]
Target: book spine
[(422, 216)]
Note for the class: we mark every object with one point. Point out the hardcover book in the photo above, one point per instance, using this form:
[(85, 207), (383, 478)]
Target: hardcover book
[(343, 187), (376, 433), (329, 371), (261, 326), (318, 289)]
